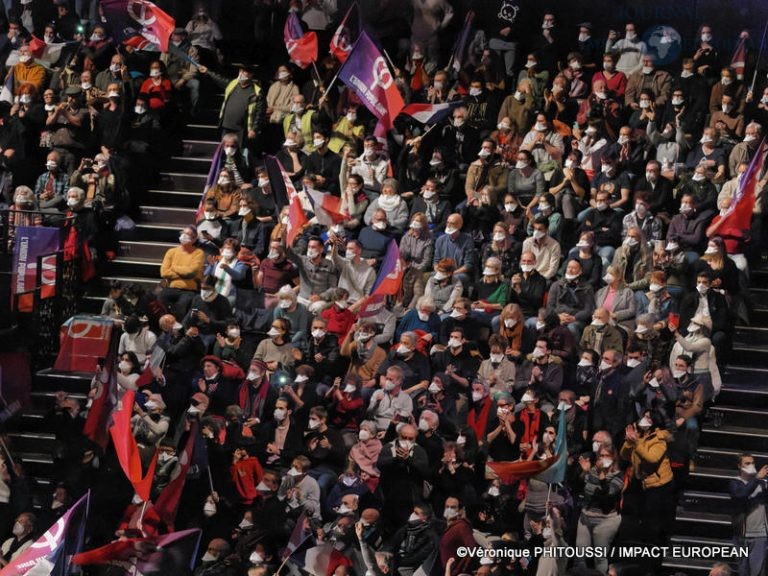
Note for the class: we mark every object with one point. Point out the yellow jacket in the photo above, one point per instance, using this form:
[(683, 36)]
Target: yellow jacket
[(28, 74), (649, 459), (183, 270)]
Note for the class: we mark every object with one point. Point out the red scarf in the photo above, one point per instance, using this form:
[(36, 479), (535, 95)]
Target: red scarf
[(530, 426), (479, 423)]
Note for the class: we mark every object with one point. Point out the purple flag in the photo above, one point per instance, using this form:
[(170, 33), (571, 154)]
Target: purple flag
[(210, 181), (30, 243), (391, 272), (368, 74), (461, 43)]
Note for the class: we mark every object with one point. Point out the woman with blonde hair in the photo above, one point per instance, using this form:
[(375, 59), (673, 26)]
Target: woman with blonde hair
[(226, 194), (510, 324)]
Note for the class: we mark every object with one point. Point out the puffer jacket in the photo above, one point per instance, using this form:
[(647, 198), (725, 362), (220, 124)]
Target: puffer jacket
[(649, 459)]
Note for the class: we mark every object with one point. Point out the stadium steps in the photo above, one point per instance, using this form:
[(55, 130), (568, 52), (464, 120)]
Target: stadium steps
[(737, 422)]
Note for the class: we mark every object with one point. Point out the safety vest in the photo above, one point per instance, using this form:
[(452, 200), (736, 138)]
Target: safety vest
[(306, 128), (251, 101)]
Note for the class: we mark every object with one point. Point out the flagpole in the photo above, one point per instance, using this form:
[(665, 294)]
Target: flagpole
[(333, 81), (7, 452), (757, 60), (210, 478), (389, 59), (282, 565)]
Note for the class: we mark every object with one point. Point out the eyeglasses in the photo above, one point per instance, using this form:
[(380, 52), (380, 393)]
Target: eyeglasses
[(408, 438)]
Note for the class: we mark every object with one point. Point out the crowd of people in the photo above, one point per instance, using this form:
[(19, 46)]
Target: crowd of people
[(565, 248)]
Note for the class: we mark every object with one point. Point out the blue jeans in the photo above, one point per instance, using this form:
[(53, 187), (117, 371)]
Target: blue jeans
[(754, 564), (606, 255), (325, 478)]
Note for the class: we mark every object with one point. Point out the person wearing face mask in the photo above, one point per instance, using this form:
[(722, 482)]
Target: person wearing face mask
[(600, 515), (324, 163), (611, 403), (421, 317), (277, 349), (633, 260), (480, 214), (545, 249), (243, 111), (645, 447), (604, 220), (246, 471), (730, 85), (458, 532), (280, 95), (411, 361), (289, 308), (708, 158), (569, 185), (460, 141), (698, 344), (403, 465), (487, 170), (324, 447), (747, 493), (460, 317), (337, 313), (321, 350), (51, 185), (228, 271), (643, 217), (458, 362), (416, 249), (688, 228), (214, 562), (572, 298), (629, 50), (364, 353), (276, 270), (182, 269), (150, 425), (27, 71), (23, 533), (691, 395), (158, 88), (317, 273), (481, 415), (365, 452), (180, 70), (390, 403), (727, 121), (246, 227), (601, 334), (526, 182), (209, 310), (256, 398), (231, 346), (391, 203), (95, 177), (658, 82)]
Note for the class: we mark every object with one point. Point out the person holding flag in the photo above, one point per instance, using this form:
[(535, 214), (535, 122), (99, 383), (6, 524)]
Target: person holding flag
[(243, 111)]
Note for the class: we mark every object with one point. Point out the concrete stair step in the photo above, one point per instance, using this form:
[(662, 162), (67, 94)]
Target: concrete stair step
[(50, 380), (146, 283), (725, 458), (152, 232), (145, 250), (198, 148), (707, 524), (174, 198), (744, 387), (180, 181), (705, 479), (749, 416), (137, 267), (29, 441), (189, 164), (209, 132), (702, 501), (171, 216), (730, 436), (751, 353), (751, 335)]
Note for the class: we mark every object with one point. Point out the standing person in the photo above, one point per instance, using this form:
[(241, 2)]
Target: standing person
[(243, 110), (645, 446), (750, 523)]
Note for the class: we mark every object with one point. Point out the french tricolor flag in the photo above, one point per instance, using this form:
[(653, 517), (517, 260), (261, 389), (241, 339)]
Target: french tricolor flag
[(430, 113)]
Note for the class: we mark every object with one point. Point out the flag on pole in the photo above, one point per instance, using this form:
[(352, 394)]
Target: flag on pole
[(286, 194), (47, 54), (367, 73), (301, 46), (739, 213), (128, 451), (431, 113), (140, 43), (210, 181), (6, 92), (390, 276), (739, 59), (460, 48), (556, 473), (168, 501), (52, 553), (346, 34), (97, 422), (327, 207), (130, 18), (161, 555), (299, 537)]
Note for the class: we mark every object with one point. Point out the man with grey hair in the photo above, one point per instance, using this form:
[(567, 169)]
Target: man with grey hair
[(612, 405), (414, 364), (390, 403), (745, 150)]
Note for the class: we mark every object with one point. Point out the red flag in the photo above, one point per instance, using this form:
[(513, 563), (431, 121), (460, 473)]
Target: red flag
[(301, 46), (346, 34), (157, 26), (128, 451), (372, 305), (36, 46), (296, 219), (139, 43), (103, 404), (391, 272), (168, 501), (508, 472), (739, 214), (165, 554), (739, 59)]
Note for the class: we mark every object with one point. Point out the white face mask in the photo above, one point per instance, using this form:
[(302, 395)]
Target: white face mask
[(702, 289), (124, 366), (477, 396), (154, 73), (572, 277), (693, 328), (255, 558), (541, 325), (349, 389), (318, 142), (526, 268), (677, 101), (364, 435), (502, 126), (605, 365), (254, 375), (484, 153), (645, 423), (596, 446), (606, 462), (206, 294), (422, 316), (496, 358), (454, 343), (313, 253), (451, 230), (499, 237), (227, 254), (313, 424), (510, 322), (139, 110), (415, 225), (423, 425), (598, 323), (608, 66), (584, 363), (489, 271), (273, 333), (654, 383), (285, 304), (539, 234), (379, 225), (711, 250), (428, 194), (434, 388), (633, 362), (600, 96), (403, 350), (389, 385), (458, 122), (24, 58), (475, 91), (608, 278), (279, 415), (678, 374), (510, 207), (750, 470), (520, 164), (208, 557), (318, 333)]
